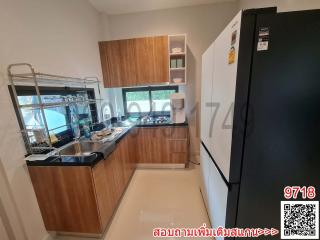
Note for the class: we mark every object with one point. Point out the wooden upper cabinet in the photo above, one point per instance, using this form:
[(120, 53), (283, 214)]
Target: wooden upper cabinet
[(161, 59), (145, 63), (128, 71), (133, 62), (111, 63)]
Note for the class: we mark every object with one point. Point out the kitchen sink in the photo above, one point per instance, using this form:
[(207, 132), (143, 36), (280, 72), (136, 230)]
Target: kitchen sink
[(85, 148)]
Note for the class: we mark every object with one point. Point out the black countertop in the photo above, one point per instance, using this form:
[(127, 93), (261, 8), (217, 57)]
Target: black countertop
[(160, 124), (93, 159)]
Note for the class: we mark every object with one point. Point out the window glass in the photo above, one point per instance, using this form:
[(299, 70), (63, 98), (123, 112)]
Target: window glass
[(56, 116), (161, 100), (153, 100), (138, 101)]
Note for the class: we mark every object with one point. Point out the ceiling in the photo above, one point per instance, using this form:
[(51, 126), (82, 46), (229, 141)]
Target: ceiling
[(112, 7)]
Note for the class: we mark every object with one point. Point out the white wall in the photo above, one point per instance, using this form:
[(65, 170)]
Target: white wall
[(201, 23), (56, 36), (283, 5)]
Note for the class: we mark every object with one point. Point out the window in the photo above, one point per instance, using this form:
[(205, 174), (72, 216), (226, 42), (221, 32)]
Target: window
[(147, 100), (58, 117)]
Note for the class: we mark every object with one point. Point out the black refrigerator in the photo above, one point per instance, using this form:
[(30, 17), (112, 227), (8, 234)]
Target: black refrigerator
[(260, 116)]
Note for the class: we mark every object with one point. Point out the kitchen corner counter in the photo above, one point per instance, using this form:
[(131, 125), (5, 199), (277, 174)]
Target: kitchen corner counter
[(55, 160)]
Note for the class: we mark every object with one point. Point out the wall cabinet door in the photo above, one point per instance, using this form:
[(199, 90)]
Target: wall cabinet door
[(161, 59), (111, 63), (138, 61), (145, 65), (128, 70)]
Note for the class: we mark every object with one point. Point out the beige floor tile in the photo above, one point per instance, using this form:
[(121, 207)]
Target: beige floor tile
[(157, 198)]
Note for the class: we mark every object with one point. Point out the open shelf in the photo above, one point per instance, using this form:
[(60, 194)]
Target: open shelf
[(177, 59)]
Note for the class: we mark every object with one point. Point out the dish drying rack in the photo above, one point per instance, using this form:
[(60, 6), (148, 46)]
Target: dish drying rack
[(38, 80)]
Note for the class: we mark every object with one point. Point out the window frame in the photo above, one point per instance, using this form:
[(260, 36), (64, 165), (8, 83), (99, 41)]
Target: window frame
[(149, 89)]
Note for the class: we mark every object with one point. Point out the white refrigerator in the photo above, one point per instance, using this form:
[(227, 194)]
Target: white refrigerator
[(219, 71), (259, 116)]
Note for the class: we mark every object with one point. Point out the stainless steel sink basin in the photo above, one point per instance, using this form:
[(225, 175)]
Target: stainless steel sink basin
[(85, 148)]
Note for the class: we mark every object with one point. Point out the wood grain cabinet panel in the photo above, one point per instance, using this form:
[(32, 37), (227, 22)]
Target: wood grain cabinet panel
[(122, 154), (161, 59), (178, 145), (111, 179), (132, 62), (178, 158), (66, 197), (104, 192), (133, 141), (145, 65), (111, 63), (118, 172), (162, 145), (144, 140), (179, 133), (128, 71)]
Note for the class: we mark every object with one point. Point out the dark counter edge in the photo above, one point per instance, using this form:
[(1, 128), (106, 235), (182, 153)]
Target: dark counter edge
[(46, 163)]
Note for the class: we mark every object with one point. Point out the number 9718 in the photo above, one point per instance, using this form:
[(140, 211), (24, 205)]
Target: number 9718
[(292, 192)]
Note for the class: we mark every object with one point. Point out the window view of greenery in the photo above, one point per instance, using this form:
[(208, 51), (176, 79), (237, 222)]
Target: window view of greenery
[(139, 101), (161, 100)]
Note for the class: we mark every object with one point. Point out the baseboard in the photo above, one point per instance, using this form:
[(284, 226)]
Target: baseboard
[(80, 235), (50, 236), (160, 165)]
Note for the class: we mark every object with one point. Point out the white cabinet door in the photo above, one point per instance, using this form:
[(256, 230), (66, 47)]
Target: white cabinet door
[(206, 95), (223, 93), (204, 164), (217, 197)]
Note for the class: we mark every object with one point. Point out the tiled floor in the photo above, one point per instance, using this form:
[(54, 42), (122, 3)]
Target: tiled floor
[(157, 198)]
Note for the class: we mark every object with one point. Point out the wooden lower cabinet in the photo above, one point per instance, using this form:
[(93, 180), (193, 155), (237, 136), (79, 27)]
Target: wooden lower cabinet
[(67, 198), (162, 145), (104, 190), (82, 199)]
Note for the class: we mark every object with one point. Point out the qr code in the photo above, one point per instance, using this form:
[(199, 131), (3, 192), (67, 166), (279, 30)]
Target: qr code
[(299, 219)]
